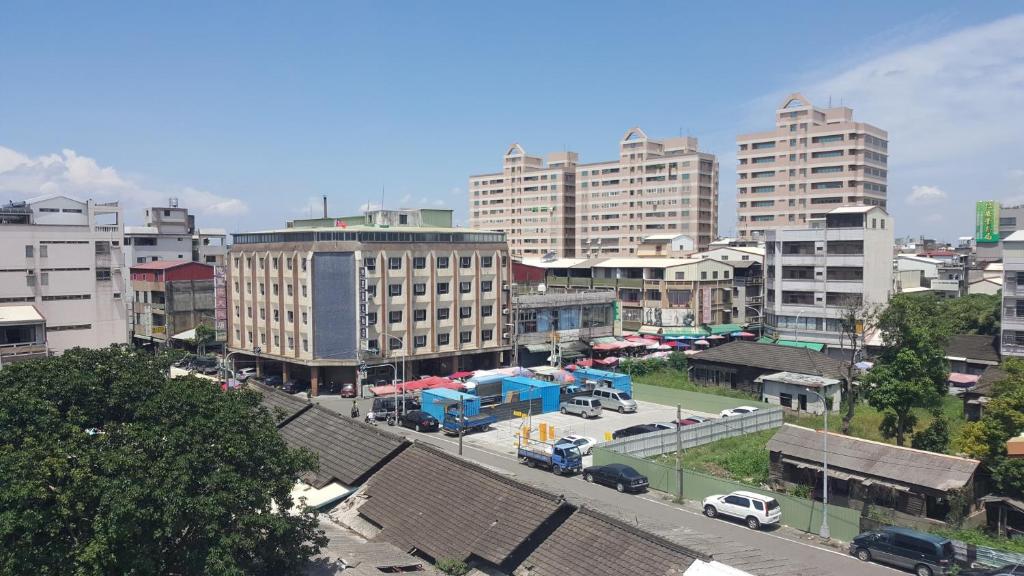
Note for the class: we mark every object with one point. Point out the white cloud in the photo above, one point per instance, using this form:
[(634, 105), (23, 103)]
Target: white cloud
[(925, 195), (959, 92), (934, 218), (70, 173)]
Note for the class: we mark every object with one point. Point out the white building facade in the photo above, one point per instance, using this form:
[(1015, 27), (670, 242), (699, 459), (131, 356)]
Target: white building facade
[(63, 256), (1012, 324), (814, 275)]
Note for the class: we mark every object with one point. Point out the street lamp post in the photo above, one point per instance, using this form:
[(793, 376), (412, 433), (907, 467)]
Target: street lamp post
[(824, 532), (760, 321)]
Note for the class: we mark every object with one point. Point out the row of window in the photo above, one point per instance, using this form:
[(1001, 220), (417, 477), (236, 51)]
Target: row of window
[(420, 262), (443, 339), (420, 314), (420, 289)]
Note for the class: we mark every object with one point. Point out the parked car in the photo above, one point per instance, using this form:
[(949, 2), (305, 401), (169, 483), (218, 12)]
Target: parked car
[(383, 406), (614, 399), (586, 406), (738, 411), (1008, 570), (925, 554), (274, 380), (419, 421), (622, 477), (295, 385), (695, 418), (690, 421), (634, 430), (244, 374), (665, 425), (584, 443), (348, 390), (753, 508)]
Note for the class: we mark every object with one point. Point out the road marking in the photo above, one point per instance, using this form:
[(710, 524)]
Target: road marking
[(822, 548)]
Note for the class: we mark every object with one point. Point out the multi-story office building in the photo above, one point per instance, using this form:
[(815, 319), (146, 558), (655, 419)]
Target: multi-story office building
[(389, 290), (532, 201), (815, 159), (64, 257), (1012, 323), (170, 297), (814, 275), (601, 209)]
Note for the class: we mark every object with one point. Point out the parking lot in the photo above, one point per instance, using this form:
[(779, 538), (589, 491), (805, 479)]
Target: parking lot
[(502, 437)]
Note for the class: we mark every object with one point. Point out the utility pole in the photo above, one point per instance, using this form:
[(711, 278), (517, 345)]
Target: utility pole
[(679, 450)]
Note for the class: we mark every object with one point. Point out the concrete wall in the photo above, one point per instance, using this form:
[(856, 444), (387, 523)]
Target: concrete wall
[(770, 391)]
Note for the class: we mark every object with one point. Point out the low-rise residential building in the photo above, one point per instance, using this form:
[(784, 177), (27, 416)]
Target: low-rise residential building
[(555, 326), (813, 276), (942, 277), (389, 290), (666, 246), (170, 297), (793, 391), (1012, 319), (748, 281), (1010, 220), (22, 334), (63, 256), (170, 233), (742, 365), (912, 487)]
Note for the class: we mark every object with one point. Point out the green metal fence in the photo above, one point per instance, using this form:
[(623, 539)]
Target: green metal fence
[(800, 513)]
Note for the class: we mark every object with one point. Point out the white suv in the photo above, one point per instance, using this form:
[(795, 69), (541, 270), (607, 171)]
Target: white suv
[(754, 509), (738, 411)]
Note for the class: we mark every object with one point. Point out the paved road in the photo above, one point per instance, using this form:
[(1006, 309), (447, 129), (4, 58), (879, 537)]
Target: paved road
[(782, 551)]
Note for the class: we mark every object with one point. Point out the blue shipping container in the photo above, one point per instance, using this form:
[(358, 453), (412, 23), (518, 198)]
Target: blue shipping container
[(529, 389), (436, 400), (603, 377)]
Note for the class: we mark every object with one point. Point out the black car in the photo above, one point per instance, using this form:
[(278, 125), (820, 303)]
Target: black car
[(634, 430), (383, 406), (622, 477), (419, 421), (1008, 570), (925, 554), (274, 380), (295, 385)]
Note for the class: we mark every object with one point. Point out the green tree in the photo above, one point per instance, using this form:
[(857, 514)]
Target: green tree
[(677, 361), (934, 438), (205, 335), (452, 567), (1008, 474), (110, 467), (972, 314), (896, 388), (914, 323)]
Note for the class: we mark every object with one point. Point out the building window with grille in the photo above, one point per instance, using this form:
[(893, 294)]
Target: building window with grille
[(465, 336), (419, 341), (443, 339)]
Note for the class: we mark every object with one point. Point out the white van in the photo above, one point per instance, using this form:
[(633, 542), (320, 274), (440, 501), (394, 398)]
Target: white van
[(614, 399)]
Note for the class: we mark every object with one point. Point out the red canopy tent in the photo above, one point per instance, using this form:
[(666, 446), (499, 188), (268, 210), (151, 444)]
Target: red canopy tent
[(462, 374), (414, 385)]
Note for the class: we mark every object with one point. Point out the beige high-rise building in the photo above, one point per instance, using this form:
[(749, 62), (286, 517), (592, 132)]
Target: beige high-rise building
[(532, 202), (655, 187), (815, 160)]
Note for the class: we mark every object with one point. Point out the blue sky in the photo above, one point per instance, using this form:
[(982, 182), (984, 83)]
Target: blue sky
[(248, 112)]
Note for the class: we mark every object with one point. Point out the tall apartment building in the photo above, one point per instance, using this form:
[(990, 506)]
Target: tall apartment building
[(1012, 323), (390, 290), (532, 201), (1011, 219), (813, 275), (63, 256), (601, 209), (815, 159)]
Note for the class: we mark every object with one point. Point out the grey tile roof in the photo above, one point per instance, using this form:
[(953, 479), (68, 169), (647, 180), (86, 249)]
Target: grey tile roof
[(973, 347), (349, 449), (282, 405), (613, 548), (875, 459), (450, 508), (988, 379), (773, 357)]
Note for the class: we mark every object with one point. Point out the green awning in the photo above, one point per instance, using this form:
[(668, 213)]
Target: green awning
[(649, 330), (724, 328), (538, 347), (816, 346), (685, 331)]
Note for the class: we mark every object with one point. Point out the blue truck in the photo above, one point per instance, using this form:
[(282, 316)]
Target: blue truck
[(453, 425), (562, 458)]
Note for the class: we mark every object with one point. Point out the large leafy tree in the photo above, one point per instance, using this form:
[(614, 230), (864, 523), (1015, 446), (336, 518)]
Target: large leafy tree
[(896, 388), (109, 467), (915, 323), (972, 314)]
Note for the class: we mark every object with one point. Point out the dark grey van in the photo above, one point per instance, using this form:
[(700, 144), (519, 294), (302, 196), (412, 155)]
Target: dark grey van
[(925, 554)]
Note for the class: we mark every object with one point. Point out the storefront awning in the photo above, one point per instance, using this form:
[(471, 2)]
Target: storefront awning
[(816, 346), (685, 331), (649, 330), (538, 347), (724, 328)]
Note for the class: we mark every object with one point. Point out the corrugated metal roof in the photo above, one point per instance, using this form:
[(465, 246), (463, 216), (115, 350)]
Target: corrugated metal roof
[(163, 264), (877, 459)]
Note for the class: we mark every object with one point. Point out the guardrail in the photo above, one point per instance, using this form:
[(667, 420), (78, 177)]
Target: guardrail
[(664, 441)]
